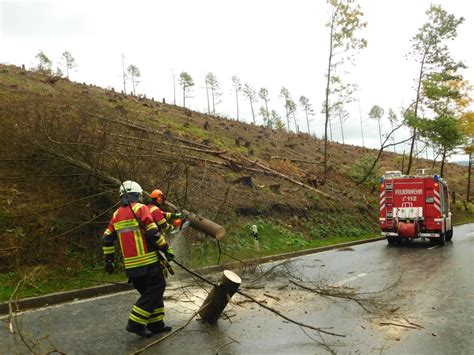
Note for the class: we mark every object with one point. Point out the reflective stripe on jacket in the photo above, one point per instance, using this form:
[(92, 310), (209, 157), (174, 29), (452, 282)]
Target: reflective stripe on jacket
[(124, 225), (159, 218)]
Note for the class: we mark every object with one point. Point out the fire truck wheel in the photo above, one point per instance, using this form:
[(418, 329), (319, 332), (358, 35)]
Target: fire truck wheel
[(449, 235), (442, 239), (392, 240)]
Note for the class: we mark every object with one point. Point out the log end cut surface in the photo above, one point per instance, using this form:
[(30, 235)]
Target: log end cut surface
[(232, 276)]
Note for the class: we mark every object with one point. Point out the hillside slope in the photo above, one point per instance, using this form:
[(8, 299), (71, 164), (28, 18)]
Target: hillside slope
[(64, 139)]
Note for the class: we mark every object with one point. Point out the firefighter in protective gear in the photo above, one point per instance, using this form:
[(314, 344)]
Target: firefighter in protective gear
[(140, 240), (164, 220)]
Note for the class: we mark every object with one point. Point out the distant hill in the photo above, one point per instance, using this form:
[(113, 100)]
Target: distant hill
[(62, 141), (461, 162)]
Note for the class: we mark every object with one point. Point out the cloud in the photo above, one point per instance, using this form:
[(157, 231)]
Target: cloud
[(44, 20)]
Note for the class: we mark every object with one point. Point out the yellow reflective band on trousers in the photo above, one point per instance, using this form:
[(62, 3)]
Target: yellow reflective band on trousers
[(138, 319), (140, 311), (109, 250), (141, 260), (157, 316)]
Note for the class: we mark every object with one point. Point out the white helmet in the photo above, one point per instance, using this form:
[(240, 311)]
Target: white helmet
[(129, 186)]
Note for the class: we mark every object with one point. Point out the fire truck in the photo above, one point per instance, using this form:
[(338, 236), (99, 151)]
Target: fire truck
[(414, 206)]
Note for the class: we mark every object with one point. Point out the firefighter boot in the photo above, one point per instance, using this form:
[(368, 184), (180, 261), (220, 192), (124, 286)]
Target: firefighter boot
[(158, 327), (137, 328)]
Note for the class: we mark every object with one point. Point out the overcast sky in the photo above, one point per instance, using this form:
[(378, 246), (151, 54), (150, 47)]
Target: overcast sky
[(267, 43)]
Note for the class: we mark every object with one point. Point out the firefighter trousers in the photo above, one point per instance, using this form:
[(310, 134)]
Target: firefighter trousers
[(149, 308)]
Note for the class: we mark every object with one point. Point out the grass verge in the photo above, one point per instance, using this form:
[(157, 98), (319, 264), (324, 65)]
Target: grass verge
[(41, 281), (194, 252)]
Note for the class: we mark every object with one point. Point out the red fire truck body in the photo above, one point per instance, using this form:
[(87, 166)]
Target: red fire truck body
[(414, 206)]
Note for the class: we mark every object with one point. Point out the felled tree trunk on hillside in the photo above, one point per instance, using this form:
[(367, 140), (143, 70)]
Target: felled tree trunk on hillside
[(220, 295)]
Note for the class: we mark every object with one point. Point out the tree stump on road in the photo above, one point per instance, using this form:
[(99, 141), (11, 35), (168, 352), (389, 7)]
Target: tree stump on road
[(220, 295)]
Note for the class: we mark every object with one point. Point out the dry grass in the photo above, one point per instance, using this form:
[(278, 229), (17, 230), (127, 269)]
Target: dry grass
[(135, 138)]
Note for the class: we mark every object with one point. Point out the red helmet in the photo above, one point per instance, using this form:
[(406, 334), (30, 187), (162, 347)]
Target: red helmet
[(177, 222), (157, 195)]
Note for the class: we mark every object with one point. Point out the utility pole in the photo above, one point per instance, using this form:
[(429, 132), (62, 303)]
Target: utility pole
[(361, 128), (124, 75)]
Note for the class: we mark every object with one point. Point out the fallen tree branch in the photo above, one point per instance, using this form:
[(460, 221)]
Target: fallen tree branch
[(328, 293), (12, 320), (319, 330), (197, 149), (270, 296), (221, 155), (224, 345), (416, 325), (399, 325), (297, 160), (286, 177)]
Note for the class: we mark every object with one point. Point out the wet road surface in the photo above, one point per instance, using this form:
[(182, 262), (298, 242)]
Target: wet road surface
[(414, 299)]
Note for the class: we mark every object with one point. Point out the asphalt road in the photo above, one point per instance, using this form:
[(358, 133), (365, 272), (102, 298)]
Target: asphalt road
[(414, 299)]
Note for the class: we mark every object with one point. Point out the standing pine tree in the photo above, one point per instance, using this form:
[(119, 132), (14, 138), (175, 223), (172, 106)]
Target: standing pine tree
[(285, 94), (276, 120), (238, 89), (252, 96), (134, 74), (392, 117), (213, 85), (68, 62), (263, 94), (430, 51), (344, 22), (44, 63), (447, 98), (307, 108), (376, 112), (186, 82)]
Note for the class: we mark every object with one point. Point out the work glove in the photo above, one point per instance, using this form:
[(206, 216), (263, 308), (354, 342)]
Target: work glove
[(109, 267), (177, 215), (171, 227), (169, 253)]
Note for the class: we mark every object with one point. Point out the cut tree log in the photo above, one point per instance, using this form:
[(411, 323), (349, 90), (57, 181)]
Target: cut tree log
[(220, 295), (203, 225)]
